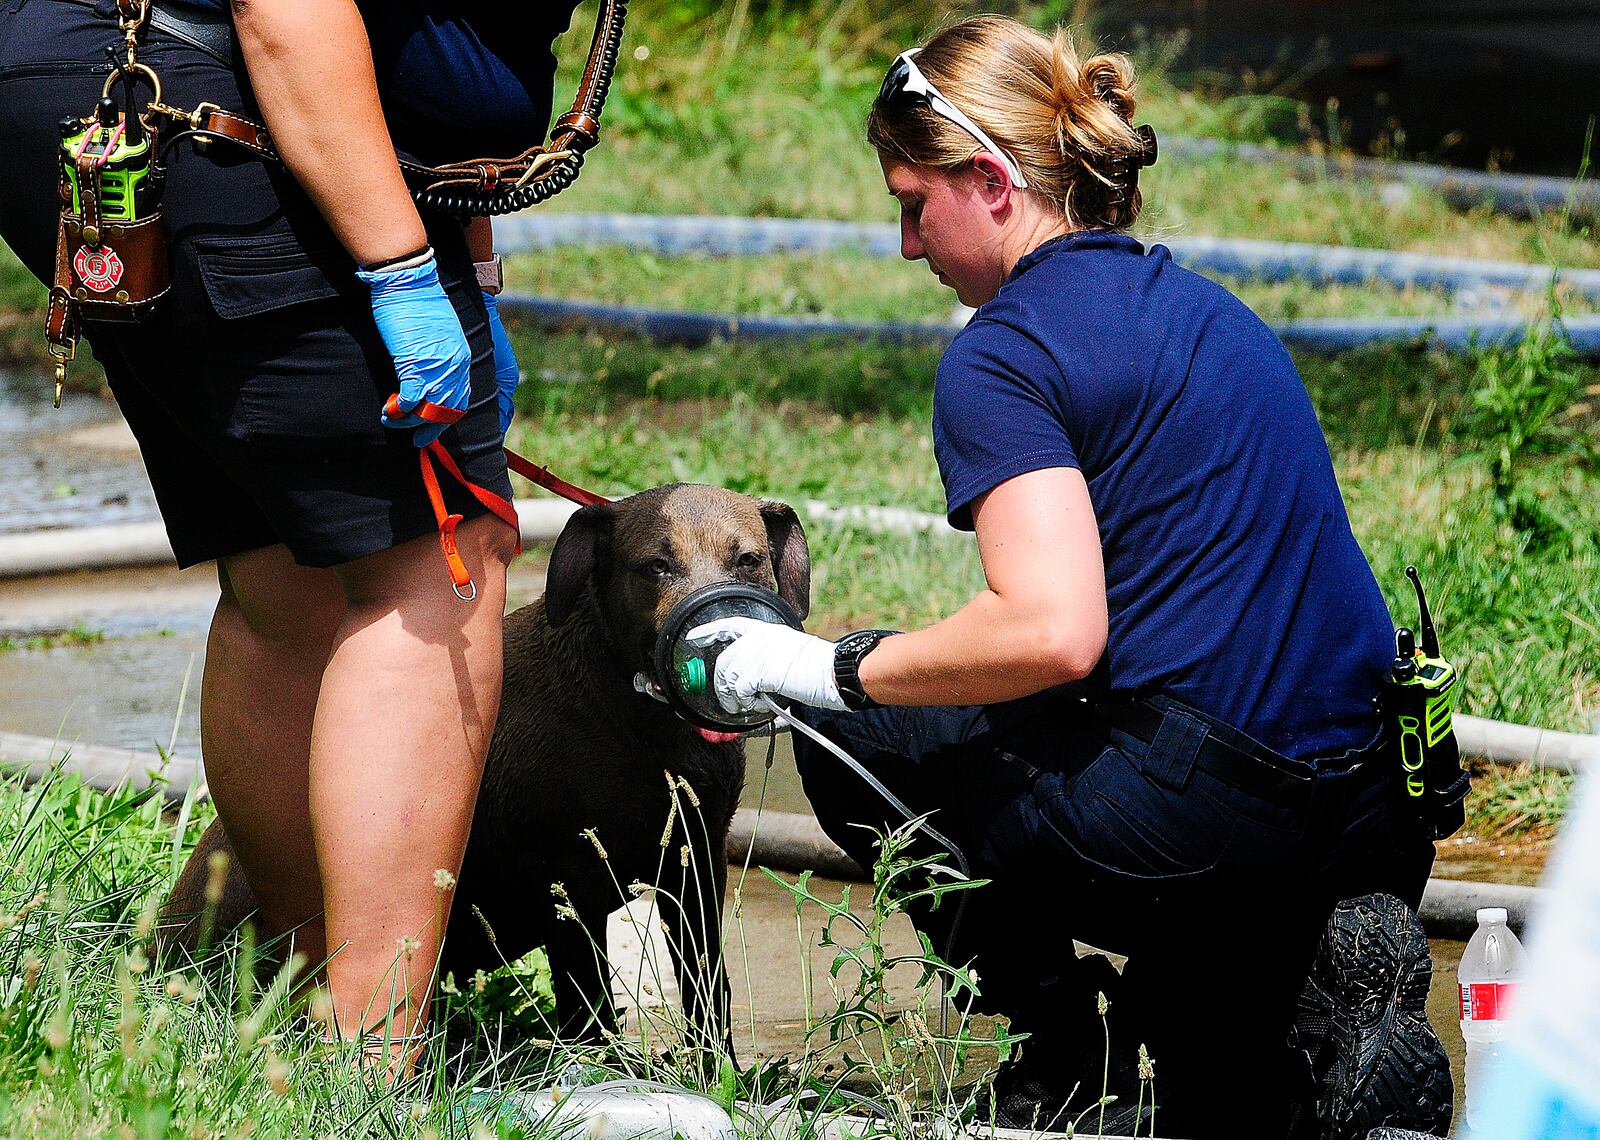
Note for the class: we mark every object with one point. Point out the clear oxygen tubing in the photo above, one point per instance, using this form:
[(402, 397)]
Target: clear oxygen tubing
[(899, 805), (894, 801)]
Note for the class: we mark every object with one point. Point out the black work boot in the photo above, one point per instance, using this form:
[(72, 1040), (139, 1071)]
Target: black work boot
[(1042, 1090), (1362, 1024), (1055, 1078)]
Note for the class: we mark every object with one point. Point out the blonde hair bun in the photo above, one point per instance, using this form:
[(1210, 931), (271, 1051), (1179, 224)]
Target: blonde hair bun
[(1067, 123)]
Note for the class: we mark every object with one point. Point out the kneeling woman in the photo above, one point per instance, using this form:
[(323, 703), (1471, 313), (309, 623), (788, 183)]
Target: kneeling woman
[(1154, 729)]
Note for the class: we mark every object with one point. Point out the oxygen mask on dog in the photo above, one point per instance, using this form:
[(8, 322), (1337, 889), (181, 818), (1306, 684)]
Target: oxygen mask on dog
[(684, 672)]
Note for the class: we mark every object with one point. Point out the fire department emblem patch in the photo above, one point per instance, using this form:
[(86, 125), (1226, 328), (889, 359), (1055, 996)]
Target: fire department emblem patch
[(99, 269)]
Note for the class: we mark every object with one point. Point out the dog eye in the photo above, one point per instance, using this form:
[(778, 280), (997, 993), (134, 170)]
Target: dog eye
[(658, 568), (749, 561)]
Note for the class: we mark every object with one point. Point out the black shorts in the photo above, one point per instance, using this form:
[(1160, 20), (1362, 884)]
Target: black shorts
[(255, 389)]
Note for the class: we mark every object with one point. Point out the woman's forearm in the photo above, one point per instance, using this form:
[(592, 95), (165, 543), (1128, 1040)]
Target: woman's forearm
[(480, 238), (1042, 620), (986, 651), (310, 65)]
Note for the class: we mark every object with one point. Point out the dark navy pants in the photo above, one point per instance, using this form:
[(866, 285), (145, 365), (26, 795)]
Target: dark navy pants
[(1216, 896)]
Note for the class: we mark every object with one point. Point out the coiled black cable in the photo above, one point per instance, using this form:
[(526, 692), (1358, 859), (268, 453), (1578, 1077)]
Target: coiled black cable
[(465, 201)]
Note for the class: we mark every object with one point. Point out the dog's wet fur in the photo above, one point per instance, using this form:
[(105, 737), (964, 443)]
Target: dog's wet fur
[(577, 749)]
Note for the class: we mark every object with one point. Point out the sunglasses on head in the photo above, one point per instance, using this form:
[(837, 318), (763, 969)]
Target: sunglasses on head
[(906, 78)]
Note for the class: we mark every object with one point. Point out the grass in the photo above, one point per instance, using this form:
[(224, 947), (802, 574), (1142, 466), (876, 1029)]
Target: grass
[(98, 1038), (95, 1040), (77, 634), (1516, 804), (1224, 197)]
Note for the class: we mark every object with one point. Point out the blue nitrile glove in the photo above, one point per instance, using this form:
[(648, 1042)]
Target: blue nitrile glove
[(420, 329), (506, 373), (768, 658)]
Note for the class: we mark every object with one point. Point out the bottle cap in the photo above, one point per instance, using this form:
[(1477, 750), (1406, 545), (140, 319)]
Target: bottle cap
[(1492, 914)]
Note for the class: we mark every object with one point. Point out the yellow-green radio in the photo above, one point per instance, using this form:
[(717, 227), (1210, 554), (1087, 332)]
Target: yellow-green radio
[(1418, 700), (120, 151)]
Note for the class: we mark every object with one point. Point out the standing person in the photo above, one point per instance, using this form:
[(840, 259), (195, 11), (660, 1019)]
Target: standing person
[(1153, 729), (348, 697)]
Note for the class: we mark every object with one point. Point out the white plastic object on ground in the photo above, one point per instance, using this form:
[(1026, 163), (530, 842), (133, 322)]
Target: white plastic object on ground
[(616, 1110)]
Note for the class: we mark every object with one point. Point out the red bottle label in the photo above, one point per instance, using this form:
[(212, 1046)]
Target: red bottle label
[(1487, 1001)]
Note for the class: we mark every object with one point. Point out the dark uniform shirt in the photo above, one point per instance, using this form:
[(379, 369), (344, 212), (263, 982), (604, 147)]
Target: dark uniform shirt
[(462, 78), (1232, 578)]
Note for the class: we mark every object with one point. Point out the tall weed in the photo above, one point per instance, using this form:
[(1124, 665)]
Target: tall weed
[(912, 1057)]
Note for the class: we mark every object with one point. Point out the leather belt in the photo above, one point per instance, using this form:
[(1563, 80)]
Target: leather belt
[(1185, 737), (200, 26)]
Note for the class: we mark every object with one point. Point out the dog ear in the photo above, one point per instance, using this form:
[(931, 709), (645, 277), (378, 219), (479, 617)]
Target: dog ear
[(572, 561), (791, 557)]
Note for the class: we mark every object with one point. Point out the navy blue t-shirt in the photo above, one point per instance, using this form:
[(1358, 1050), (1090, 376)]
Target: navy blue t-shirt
[(463, 78), (1232, 578)]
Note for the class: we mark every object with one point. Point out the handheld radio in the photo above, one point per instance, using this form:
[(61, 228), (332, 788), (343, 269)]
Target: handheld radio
[(1418, 698), (111, 254), (119, 147)]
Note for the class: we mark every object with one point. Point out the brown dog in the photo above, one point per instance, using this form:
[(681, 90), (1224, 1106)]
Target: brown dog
[(576, 749)]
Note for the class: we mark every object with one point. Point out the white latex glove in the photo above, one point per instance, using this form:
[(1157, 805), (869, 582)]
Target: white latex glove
[(768, 658)]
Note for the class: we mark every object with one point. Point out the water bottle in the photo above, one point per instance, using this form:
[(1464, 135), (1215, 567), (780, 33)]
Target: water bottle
[(1491, 968), (1546, 1089)]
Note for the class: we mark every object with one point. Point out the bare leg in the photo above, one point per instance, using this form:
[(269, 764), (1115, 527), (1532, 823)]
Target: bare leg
[(270, 639), (407, 706)]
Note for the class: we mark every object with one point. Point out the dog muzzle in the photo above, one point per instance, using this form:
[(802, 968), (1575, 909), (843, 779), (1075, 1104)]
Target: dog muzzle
[(684, 672)]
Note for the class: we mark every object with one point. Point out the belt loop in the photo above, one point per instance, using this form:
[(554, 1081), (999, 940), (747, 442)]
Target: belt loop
[(1170, 760)]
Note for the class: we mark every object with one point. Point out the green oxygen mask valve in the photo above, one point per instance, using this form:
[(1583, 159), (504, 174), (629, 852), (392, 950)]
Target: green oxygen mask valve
[(692, 675), (685, 672)]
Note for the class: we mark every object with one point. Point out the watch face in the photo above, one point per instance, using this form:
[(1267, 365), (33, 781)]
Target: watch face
[(490, 274), (847, 656)]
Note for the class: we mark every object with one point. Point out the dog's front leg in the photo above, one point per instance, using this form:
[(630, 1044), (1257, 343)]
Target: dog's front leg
[(189, 924), (692, 911), (581, 976)]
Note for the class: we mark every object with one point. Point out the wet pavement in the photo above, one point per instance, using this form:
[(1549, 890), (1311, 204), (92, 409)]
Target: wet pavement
[(779, 971), (124, 688), (72, 467)]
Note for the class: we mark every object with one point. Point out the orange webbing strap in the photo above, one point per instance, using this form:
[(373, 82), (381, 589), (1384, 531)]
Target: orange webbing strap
[(435, 452), (425, 410), (460, 578)]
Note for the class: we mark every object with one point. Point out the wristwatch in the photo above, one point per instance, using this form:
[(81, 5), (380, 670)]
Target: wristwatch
[(847, 654), (491, 275)]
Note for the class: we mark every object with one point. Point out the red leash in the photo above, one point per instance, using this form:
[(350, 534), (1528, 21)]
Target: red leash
[(542, 476), (460, 578)]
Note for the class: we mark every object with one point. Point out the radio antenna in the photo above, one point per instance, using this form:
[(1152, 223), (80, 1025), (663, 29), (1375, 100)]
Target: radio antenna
[(1430, 638)]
